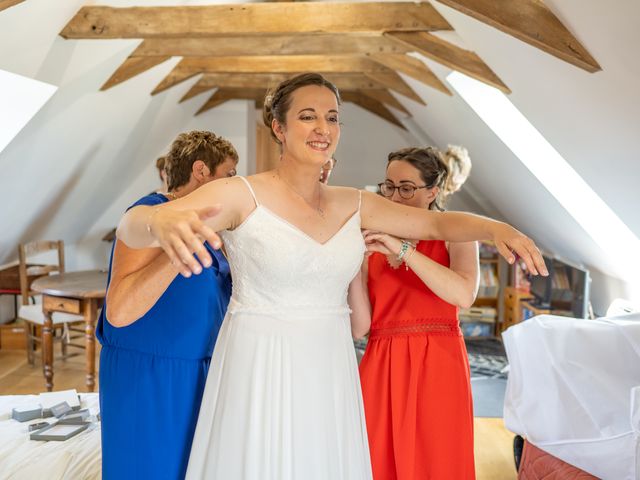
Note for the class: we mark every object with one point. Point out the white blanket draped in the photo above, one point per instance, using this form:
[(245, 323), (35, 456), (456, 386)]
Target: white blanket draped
[(574, 391)]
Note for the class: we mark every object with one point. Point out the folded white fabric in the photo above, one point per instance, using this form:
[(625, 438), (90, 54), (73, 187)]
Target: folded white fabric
[(574, 391)]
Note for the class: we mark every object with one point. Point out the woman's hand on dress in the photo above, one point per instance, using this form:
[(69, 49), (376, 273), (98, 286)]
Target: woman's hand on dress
[(182, 233), (382, 243), (511, 242)]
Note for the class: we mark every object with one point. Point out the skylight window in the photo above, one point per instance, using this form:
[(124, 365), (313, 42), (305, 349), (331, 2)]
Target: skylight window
[(20, 100), (553, 171)]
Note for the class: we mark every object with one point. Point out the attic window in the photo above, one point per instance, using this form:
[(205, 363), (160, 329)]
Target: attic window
[(20, 100), (552, 170)]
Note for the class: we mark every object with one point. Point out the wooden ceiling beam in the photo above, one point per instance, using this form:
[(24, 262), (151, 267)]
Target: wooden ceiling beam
[(223, 95), (242, 45), (373, 106), (189, 67), (449, 55), (532, 22), (208, 81), (4, 4), (412, 67), (252, 19)]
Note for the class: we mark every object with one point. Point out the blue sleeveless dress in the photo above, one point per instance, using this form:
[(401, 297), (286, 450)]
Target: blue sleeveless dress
[(153, 373)]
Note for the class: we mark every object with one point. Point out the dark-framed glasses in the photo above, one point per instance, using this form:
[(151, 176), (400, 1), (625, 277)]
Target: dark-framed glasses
[(406, 191)]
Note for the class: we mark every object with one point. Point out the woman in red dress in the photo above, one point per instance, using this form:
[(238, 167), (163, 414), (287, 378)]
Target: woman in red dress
[(415, 372)]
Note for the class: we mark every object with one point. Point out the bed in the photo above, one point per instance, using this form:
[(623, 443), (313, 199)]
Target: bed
[(20, 458)]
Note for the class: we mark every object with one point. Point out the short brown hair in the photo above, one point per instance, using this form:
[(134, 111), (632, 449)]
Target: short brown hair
[(429, 162), (278, 101), (189, 147), (160, 163)]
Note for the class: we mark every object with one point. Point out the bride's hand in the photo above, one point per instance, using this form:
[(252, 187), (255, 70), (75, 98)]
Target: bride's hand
[(182, 233), (510, 241)]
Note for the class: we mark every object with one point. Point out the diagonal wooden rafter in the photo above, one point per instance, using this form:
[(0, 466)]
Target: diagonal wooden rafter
[(208, 81), (252, 19), (131, 67), (383, 95), (189, 67), (449, 55), (395, 82), (532, 22), (4, 4), (373, 106), (412, 67), (222, 95)]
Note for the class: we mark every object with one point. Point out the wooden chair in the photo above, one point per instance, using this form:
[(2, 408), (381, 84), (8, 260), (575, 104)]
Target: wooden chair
[(67, 327)]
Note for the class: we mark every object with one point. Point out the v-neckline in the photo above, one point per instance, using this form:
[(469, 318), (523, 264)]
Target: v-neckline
[(301, 232)]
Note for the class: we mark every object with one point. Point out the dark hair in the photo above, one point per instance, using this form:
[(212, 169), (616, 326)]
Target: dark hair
[(189, 147), (428, 161), (278, 100)]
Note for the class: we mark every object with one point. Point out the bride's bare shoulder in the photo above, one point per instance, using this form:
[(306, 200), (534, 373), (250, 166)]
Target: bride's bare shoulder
[(343, 195)]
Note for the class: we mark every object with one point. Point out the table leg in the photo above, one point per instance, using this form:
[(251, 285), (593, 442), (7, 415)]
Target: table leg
[(47, 349), (90, 310)]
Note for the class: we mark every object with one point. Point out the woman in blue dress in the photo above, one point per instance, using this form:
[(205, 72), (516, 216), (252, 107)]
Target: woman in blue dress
[(158, 330)]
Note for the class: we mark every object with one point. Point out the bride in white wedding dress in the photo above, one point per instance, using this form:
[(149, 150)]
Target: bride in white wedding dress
[(282, 399)]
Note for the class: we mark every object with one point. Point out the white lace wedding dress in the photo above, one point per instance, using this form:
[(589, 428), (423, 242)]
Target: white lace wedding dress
[(282, 399)]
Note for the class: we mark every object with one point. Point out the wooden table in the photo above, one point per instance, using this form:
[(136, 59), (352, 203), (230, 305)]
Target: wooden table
[(74, 292)]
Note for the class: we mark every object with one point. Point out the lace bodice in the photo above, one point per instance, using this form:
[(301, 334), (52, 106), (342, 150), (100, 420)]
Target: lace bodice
[(275, 265)]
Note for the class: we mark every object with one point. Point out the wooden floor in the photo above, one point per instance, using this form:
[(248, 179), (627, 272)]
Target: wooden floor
[(493, 443)]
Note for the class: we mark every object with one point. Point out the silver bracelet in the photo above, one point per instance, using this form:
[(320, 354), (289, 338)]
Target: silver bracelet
[(403, 250), (406, 260)]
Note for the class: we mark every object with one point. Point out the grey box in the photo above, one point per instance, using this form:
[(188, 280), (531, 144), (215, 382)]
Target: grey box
[(46, 412), (24, 415), (75, 418), (60, 409), (59, 432)]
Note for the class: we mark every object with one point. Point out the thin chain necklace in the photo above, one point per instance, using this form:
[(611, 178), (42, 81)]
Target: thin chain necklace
[(317, 207), (171, 196)]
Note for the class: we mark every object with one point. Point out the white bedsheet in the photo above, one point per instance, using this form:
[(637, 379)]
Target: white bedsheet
[(574, 391), (20, 458)]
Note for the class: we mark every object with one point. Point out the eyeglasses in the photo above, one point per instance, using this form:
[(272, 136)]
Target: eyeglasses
[(387, 189)]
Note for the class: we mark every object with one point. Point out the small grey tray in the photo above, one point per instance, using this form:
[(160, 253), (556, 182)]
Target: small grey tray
[(58, 432)]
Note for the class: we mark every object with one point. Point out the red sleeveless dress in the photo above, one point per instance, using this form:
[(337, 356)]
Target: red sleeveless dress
[(415, 378)]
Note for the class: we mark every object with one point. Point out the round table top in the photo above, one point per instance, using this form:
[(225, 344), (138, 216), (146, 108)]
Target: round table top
[(82, 284)]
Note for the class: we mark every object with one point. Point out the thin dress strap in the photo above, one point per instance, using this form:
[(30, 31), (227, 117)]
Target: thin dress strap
[(253, 194), (359, 199)]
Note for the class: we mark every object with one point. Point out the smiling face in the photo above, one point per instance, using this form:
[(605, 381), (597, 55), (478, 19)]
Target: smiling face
[(312, 130)]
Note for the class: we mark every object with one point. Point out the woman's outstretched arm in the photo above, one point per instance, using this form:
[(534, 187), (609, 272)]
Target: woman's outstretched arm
[(379, 214), (180, 227)]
